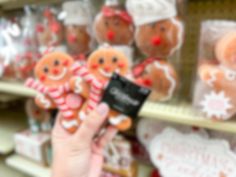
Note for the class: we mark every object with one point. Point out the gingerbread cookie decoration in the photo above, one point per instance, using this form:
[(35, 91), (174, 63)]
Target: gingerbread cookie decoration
[(159, 34), (53, 73), (113, 25), (39, 119), (77, 27), (102, 64), (220, 102)]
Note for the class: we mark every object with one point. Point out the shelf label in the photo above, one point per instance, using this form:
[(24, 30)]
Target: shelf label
[(181, 155)]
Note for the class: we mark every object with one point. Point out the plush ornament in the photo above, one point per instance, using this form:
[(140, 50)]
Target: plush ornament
[(50, 33), (77, 31), (159, 34), (39, 119), (113, 25), (101, 65), (53, 73), (220, 103)]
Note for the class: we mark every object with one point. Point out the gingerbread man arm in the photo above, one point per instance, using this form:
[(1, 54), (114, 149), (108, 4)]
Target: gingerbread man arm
[(45, 102), (211, 74), (79, 86)]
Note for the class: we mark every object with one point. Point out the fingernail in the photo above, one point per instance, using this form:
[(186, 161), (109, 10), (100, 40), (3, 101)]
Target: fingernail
[(102, 109)]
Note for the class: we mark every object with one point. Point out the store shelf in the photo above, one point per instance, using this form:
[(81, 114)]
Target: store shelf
[(16, 4), (181, 113), (28, 167), (16, 89), (11, 121), (184, 114)]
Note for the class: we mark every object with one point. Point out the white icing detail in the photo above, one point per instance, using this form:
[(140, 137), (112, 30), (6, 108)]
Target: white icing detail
[(69, 124), (216, 105), (108, 74), (46, 103), (117, 120), (58, 77), (180, 27), (212, 79), (78, 88), (172, 81), (82, 115)]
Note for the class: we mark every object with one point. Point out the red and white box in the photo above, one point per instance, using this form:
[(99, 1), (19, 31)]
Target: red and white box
[(33, 146)]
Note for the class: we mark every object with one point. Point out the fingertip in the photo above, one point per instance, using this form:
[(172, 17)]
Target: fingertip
[(103, 109)]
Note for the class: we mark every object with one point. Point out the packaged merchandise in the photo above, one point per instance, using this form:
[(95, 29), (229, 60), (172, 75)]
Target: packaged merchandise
[(10, 35), (28, 49), (113, 25), (118, 158), (39, 119), (159, 35), (50, 32), (78, 30), (214, 89), (33, 146)]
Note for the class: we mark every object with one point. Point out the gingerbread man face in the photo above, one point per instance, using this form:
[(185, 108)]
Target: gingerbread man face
[(78, 39), (104, 62), (54, 69), (114, 26), (160, 39), (226, 51)]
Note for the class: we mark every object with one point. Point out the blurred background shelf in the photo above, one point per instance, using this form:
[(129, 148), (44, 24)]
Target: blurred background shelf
[(16, 89), (184, 114), (180, 113), (6, 171), (28, 167), (11, 121)]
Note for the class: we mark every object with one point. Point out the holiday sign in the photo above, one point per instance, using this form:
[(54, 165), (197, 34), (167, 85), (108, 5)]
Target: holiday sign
[(181, 155)]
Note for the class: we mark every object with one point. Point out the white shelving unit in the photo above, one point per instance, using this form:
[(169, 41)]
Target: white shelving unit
[(28, 167)]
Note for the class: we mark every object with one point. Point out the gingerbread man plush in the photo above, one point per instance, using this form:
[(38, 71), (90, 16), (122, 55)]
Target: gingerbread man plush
[(113, 25), (159, 33), (54, 73), (77, 27), (220, 103), (101, 65)]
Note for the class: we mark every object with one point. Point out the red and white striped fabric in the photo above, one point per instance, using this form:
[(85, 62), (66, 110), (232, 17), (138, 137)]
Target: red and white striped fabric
[(59, 97), (96, 87)]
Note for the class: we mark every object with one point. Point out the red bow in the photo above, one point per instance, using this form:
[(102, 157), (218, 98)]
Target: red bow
[(139, 69), (110, 12)]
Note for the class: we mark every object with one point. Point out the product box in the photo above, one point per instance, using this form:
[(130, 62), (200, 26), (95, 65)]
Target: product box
[(119, 159), (33, 146)]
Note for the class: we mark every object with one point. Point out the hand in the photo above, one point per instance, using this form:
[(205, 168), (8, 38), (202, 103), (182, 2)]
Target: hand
[(81, 154)]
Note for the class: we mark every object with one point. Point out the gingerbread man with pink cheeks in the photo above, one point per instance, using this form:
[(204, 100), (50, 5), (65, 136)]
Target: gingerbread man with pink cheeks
[(220, 104), (102, 64), (53, 74)]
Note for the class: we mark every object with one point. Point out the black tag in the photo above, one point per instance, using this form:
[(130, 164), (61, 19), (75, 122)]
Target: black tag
[(124, 96)]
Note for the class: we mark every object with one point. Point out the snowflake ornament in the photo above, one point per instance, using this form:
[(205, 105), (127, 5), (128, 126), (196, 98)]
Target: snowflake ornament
[(216, 105)]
